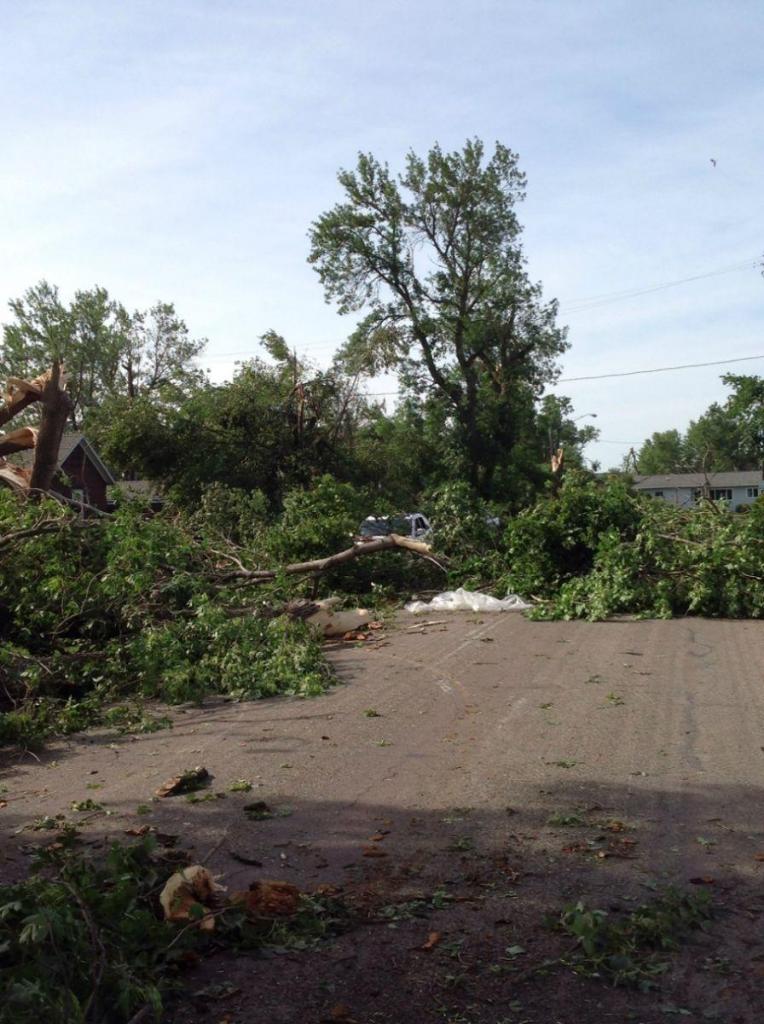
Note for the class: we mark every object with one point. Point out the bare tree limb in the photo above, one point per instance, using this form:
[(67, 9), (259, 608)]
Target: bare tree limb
[(44, 526), (20, 440), (81, 506), (320, 565)]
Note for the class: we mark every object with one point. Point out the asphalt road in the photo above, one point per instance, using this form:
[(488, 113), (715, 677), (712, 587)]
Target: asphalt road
[(484, 730)]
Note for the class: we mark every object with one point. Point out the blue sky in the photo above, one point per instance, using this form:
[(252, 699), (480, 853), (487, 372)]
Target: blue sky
[(180, 150)]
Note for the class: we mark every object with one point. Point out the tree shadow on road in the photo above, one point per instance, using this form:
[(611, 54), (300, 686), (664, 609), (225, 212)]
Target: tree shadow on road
[(485, 881)]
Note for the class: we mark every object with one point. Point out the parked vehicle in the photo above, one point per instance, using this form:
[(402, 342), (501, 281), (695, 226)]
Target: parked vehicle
[(407, 524)]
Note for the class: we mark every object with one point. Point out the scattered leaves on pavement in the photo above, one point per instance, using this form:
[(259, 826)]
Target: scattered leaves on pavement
[(86, 805), (240, 786)]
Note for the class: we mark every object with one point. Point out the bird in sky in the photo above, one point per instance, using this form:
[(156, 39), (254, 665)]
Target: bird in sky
[(713, 161)]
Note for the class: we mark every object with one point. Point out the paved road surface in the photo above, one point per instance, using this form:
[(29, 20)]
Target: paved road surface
[(485, 728)]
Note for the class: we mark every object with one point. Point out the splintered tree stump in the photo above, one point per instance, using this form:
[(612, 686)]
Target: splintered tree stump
[(49, 390), (56, 406)]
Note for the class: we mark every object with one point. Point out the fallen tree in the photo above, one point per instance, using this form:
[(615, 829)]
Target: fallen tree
[(130, 607), (166, 607), (593, 551)]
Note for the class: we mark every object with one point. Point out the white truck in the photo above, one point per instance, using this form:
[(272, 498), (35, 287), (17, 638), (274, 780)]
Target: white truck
[(415, 525)]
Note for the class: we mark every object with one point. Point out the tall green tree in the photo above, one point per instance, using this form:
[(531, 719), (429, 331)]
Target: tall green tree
[(402, 453), (663, 452), (556, 427), (713, 442), (85, 334), (158, 353), (108, 353), (745, 408), (434, 257), (728, 435)]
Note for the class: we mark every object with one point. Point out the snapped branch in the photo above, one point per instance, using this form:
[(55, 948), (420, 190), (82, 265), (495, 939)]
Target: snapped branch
[(321, 565)]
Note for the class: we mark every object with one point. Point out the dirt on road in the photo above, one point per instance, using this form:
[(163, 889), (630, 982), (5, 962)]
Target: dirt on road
[(468, 779)]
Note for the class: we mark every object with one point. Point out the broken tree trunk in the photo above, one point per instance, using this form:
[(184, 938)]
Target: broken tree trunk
[(49, 389), (320, 565), (56, 406)]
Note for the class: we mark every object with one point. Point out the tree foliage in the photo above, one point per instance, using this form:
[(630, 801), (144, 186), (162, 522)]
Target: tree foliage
[(435, 257), (727, 436), (130, 607), (595, 550), (84, 939), (260, 431), (110, 354), (663, 452)]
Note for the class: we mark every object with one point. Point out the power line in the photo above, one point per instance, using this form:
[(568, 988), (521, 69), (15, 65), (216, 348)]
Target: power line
[(317, 346), (619, 373), (599, 440), (667, 284), (572, 307), (582, 305), (659, 369)]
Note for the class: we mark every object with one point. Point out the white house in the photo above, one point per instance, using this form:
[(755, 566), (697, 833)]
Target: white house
[(739, 487)]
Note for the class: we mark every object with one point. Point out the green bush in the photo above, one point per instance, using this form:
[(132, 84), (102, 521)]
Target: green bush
[(316, 521), (557, 539), (466, 532)]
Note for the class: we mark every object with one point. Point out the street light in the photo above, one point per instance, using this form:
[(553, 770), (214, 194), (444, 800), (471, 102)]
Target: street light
[(593, 415)]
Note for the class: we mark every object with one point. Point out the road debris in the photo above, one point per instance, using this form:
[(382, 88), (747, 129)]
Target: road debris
[(432, 941), (462, 600), (268, 899), (186, 782), (189, 895)]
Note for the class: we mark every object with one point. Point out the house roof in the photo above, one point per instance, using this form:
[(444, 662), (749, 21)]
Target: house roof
[(70, 441), (735, 478)]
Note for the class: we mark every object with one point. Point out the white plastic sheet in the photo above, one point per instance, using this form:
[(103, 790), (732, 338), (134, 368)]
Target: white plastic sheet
[(462, 600)]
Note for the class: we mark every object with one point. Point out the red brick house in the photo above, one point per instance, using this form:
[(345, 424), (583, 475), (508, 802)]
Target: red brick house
[(82, 475)]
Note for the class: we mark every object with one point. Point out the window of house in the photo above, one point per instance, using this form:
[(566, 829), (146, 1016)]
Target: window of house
[(78, 494), (753, 492), (721, 494), (658, 494)]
